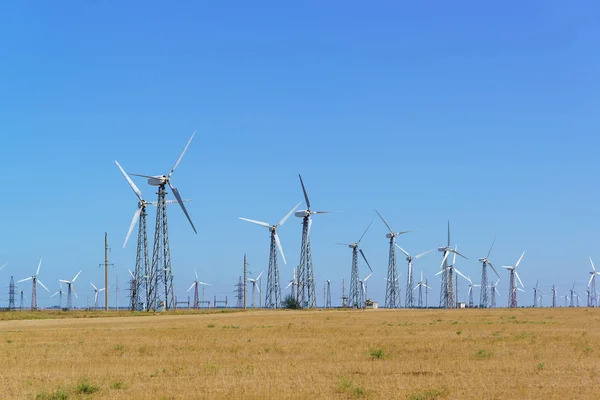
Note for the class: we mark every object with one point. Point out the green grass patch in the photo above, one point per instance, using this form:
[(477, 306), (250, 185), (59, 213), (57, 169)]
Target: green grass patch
[(85, 387)]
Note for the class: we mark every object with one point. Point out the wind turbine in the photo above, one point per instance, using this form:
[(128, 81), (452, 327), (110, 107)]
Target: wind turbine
[(512, 291), (420, 285), (195, 286), (471, 286), (96, 291), (328, 294), (255, 287), (447, 286), (409, 302), (592, 285), (363, 287), (573, 294), (3, 266), (483, 300), (34, 280), (449, 272), (392, 289), (292, 284), (161, 274), (70, 288), (494, 291), (355, 294), (59, 292), (306, 276), (535, 294), (142, 262), (273, 297)]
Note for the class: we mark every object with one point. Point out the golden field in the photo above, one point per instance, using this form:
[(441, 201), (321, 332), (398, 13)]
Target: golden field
[(371, 354)]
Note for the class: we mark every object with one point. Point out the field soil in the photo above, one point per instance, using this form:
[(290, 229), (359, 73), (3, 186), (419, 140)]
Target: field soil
[(371, 354)]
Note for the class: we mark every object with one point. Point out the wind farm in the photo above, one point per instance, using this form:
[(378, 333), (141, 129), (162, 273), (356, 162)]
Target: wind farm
[(197, 195)]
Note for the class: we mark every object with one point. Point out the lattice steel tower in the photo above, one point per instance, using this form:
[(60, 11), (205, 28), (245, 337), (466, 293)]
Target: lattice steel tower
[(392, 287), (553, 296), (240, 293), (11, 295), (160, 276), (306, 277), (592, 285), (328, 295), (512, 290), (355, 289), (447, 286), (483, 294)]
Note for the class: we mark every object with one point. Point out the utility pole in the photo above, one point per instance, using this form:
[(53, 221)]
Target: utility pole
[(116, 291), (245, 271), (106, 271)]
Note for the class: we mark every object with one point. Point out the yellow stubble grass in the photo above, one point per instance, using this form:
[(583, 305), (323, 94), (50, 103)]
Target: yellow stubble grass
[(414, 354)]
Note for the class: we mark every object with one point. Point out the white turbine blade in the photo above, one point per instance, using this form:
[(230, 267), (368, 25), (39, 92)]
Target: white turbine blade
[(521, 290), (461, 274), (259, 275), (134, 220), (147, 176), (365, 232), (517, 275), (44, 286), (204, 283), (477, 285), (288, 215), (62, 280), (309, 225), (181, 156), (54, 294), (251, 280), (153, 203), (507, 267), (365, 258), (493, 269), (26, 279), (444, 259), (496, 289), (386, 224), (95, 288), (131, 273), (520, 258), (38, 269), (428, 287), (368, 276), (490, 252), (100, 290), (305, 194), (96, 298), (73, 289), (440, 272), (590, 282), (422, 254), (279, 246), (289, 284), (402, 233), (256, 222), (593, 268), (133, 186), (456, 252), (402, 250), (196, 273), (3, 266), (74, 279), (180, 201)]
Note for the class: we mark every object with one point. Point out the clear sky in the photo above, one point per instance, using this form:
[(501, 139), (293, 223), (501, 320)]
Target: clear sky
[(482, 114)]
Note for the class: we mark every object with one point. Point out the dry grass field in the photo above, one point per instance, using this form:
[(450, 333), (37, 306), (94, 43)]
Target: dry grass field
[(372, 354)]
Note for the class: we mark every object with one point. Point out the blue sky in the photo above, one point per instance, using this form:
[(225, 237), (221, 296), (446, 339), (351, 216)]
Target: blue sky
[(481, 114)]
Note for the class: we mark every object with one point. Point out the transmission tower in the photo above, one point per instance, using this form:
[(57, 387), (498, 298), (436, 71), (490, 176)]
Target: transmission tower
[(21, 304), (328, 295), (240, 293), (553, 296), (344, 297), (11, 295)]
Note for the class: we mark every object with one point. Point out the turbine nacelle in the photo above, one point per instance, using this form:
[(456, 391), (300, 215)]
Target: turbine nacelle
[(158, 180)]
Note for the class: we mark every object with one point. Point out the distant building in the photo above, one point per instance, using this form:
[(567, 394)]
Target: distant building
[(371, 304), (461, 304)]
